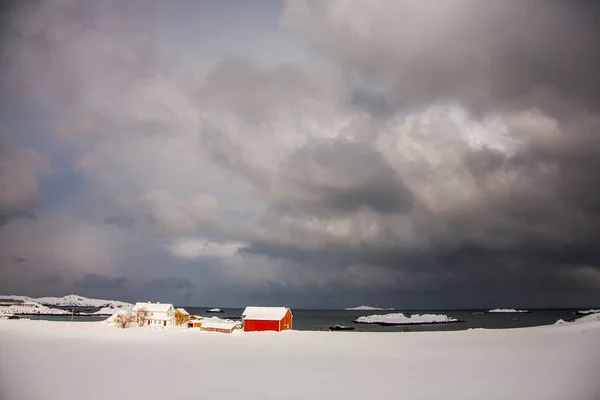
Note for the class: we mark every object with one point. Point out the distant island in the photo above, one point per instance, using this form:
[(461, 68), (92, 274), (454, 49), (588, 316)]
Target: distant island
[(506, 310), (401, 319), (24, 305), (591, 311), (367, 308)]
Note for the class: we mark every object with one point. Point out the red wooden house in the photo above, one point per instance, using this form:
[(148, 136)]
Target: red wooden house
[(267, 319)]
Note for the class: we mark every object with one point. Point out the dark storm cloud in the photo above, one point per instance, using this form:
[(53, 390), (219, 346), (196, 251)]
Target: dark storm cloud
[(509, 54), (20, 170), (359, 176), (341, 176), (171, 283), (99, 282), (120, 221), (7, 214)]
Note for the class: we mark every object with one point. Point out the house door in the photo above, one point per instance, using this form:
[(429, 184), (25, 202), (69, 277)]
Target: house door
[(164, 323)]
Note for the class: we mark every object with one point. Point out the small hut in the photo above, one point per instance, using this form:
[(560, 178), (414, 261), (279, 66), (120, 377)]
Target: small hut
[(219, 325)]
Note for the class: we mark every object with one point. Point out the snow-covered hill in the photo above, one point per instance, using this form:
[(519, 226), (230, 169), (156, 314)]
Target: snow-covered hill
[(30, 308), (401, 319), (72, 300), (507, 310)]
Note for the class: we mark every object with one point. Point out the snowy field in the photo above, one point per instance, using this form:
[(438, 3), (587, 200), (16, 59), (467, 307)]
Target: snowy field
[(94, 360)]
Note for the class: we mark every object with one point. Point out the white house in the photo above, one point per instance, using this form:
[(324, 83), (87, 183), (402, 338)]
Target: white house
[(158, 314)]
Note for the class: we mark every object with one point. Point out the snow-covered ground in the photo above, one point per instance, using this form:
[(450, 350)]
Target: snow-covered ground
[(71, 300), (367, 308), (94, 360), (591, 311), (401, 319), (507, 310)]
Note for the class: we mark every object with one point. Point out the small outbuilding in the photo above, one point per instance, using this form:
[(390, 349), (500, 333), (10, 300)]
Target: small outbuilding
[(194, 323), (257, 319), (219, 325)]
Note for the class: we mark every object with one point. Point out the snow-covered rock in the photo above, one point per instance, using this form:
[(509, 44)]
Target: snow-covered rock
[(31, 308), (401, 319), (71, 300), (591, 311), (367, 308), (507, 310)]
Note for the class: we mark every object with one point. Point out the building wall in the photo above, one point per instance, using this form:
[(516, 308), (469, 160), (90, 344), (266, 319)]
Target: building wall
[(286, 322), (220, 330), (255, 325)]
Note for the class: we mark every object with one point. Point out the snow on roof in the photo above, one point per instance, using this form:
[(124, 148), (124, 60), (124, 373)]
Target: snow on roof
[(219, 324), (182, 310), (265, 313), (152, 307)]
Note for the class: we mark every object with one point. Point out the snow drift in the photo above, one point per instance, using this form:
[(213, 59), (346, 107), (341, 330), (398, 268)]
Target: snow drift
[(401, 319)]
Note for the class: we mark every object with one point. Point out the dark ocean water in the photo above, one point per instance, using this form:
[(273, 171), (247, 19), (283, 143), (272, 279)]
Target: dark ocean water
[(316, 320)]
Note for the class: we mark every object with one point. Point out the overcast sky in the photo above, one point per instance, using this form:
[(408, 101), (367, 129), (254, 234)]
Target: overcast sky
[(413, 154)]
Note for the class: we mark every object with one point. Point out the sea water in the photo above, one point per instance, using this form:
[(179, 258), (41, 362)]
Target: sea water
[(317, 320), (320, 320)]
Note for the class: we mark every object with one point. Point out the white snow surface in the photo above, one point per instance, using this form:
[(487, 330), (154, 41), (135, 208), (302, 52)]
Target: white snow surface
[(62, 360), (264, 313), (506, 310), (400, 318), (591, 311), (367, 308), (72, 300), (107, 311)]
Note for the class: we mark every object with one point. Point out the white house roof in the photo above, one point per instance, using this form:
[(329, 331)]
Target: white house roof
[(152, 307), (182, 310), (265, 313)]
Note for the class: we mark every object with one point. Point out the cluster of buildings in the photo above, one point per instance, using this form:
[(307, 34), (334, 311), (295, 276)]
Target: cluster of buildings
[(254, 319)]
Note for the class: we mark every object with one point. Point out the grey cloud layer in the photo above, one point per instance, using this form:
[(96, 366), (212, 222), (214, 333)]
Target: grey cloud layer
[(430, 149)]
